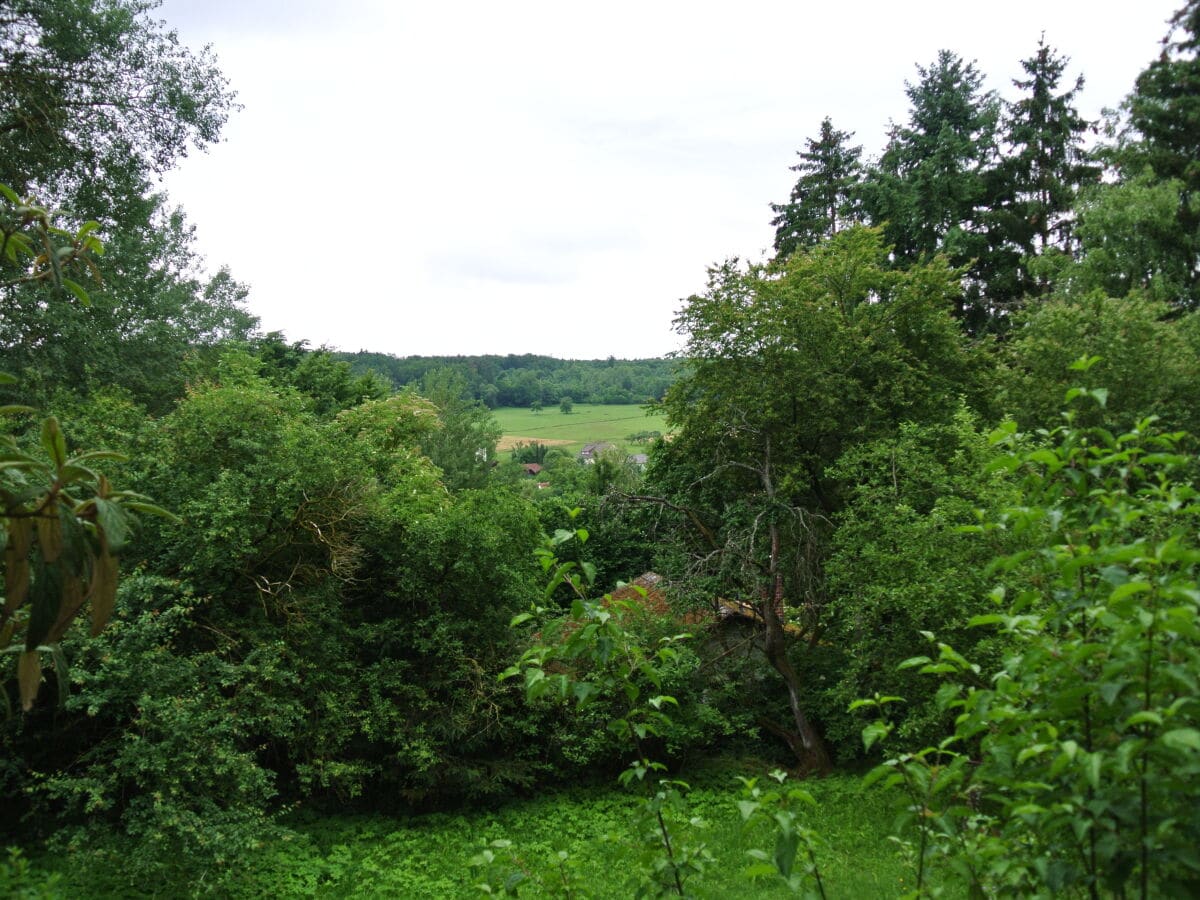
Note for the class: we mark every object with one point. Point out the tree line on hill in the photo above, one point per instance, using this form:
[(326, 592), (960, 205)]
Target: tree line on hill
[(300, 569), (521, 380)]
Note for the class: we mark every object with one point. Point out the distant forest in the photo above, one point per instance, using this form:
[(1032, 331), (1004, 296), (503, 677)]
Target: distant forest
[(520, 380)]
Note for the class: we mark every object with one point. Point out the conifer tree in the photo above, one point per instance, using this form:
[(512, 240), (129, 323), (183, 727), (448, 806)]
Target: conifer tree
[(1039, 179), (930, 188), (824, 199)]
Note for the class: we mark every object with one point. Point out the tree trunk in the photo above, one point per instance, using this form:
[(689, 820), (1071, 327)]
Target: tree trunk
[(805, 742)]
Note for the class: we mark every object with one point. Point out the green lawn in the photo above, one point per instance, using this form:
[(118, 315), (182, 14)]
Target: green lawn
[(585, 423)]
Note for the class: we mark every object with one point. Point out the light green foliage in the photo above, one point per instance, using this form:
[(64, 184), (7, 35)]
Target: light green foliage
[(591, 655), (264, 513), (781, 806), (566, 405), (1128, 232), (341, 855), (833, 347), (1146, 358), (788, 368), (21, 881), (1085, 740), (464, 444)]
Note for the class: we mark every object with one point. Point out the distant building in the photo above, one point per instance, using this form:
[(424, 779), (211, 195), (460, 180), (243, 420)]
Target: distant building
[(590, 451), (531, 468)]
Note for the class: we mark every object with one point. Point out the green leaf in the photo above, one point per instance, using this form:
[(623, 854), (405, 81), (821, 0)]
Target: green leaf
[(89, 455), (1095, 763), (54, 442), (1144, 717), (70, 474), (873, 733), (1127, 589), (785, 851), (77, 290), (151, 509), (62, 674), (758, 870), (1084, 363), (113, 522), (45, 596), (582, 691), (988, 619), (1182, 739)]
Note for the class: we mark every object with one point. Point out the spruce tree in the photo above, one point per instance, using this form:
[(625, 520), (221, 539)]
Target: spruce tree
[(930, 189), (824, 199), (1046, 165)]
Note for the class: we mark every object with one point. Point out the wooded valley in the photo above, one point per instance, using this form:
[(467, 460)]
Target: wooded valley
[(921, 522)]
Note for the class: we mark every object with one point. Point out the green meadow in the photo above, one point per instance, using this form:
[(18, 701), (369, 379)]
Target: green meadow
[(587, 422)]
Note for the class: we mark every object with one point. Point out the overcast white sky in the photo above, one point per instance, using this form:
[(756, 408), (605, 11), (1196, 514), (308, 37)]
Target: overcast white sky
[(554, 177)]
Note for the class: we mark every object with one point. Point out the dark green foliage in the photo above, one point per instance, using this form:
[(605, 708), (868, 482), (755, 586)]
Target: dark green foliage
[(182, 778), (326, 624), (529, 453), (326, 381), (1164, 111), (522, 381), (824, 199), (1044, 167), (97, 92), (930, 191), (787, 370), (899, 565)]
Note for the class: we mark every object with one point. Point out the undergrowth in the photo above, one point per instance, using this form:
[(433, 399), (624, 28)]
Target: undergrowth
[(427, 855)]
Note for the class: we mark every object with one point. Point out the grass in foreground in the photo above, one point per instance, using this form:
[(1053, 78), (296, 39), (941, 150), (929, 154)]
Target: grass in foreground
[(427, 856)]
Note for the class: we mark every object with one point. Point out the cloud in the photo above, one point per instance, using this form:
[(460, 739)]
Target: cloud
[(404, 175)]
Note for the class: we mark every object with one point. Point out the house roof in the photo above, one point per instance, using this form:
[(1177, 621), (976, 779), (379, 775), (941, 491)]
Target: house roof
[(647, 591), (595, 447)]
